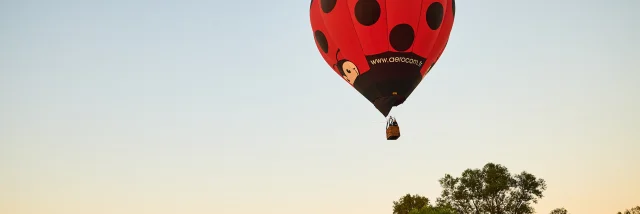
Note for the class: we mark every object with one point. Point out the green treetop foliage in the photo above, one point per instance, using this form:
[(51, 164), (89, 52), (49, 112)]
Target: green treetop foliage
[(433, 210), (408, 203), (635, 210), (417, 204), (559, 211), (491, 190)]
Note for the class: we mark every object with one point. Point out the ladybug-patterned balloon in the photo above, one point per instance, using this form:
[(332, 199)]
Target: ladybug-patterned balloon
[(382, 47)]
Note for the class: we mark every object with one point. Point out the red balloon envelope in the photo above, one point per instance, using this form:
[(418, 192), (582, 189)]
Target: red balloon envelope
[(382, 47)]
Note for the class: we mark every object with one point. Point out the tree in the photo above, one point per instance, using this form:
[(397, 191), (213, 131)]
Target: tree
[(559, 211), (433, 210), (408, 203), (635, 210), (491, 190)]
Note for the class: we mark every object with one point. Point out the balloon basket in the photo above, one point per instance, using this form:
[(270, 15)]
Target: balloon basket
[(393, 130)]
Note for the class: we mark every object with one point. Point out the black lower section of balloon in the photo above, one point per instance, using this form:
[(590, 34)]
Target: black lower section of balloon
[(392, 78)]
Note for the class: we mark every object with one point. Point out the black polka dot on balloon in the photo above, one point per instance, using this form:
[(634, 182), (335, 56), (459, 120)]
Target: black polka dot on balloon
[(453, 4), (321, 39), (435, 14), (367, 12), (401, 37), (328, 5)]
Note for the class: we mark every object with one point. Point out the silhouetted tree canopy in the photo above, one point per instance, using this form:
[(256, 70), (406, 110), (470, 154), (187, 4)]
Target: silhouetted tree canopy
[(635, 210), (408, 203), (559, 211), (417, 204), (433, 210), (491, 190)]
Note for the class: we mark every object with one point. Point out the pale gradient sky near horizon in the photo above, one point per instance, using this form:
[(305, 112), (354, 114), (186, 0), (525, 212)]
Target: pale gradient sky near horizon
[(226, 107)]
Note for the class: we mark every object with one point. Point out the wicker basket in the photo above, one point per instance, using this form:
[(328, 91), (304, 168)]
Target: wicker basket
[(393, 132)]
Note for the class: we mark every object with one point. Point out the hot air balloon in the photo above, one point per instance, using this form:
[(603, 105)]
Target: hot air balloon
[(383, 48)]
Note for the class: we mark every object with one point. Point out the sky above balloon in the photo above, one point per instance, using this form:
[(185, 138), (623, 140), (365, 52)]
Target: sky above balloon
[(227, 107)]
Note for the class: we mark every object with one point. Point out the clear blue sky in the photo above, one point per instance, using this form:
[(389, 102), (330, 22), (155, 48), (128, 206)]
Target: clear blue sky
[(227, 107)]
